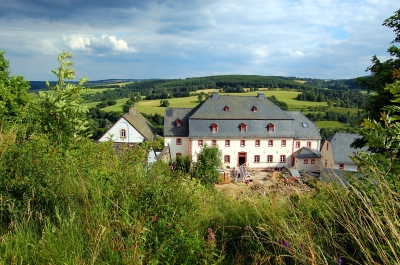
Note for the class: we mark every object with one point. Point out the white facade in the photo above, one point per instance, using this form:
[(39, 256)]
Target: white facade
[(122, 132)]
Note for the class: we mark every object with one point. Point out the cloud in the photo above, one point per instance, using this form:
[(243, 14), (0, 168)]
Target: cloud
[(98, 45)]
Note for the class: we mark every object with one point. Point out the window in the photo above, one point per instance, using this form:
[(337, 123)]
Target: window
[(178, 141), (283, 143), (242, 143), (254, 109), (200, 142), (227, 143), (227, 159), (309, 144), (214, 127), (178, 154), (305, 161), (122, 133), (326, 163), (297, 144), (242, 127), (313, 161), (282, 159), (327, 146), (178, 122), (341, 166), (256, 159), (257, 143), (226, 108), (269, 158), (271, 128), (270, 143), (213, 143)]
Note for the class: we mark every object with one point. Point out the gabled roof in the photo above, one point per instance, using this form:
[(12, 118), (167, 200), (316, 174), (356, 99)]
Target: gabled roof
[(341, 177), (306, 152), (240, 108), (341, 150), (141, 124)]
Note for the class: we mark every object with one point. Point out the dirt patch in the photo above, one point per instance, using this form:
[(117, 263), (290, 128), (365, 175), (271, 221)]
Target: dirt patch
[(264, 183)]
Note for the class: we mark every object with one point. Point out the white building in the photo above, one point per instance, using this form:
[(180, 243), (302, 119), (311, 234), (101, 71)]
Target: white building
[(248, 130), (132, 128)]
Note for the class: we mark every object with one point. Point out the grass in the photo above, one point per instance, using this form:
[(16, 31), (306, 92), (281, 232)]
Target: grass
[(92, 91), (329, 124), (153, 106)]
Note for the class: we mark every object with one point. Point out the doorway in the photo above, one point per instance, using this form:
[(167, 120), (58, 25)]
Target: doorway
[(242, 158)]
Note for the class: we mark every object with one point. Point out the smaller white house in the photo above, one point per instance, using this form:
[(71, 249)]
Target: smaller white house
[(130, 129), (336, 152)]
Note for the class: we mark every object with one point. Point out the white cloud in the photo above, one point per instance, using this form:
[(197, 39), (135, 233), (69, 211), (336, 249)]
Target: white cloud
[(99, 45)]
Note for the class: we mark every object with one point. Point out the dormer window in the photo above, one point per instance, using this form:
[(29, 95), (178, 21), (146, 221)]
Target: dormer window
[(242, 127), (214, 127), (178, 122), (271, 128), (226, 108), (254, 109)]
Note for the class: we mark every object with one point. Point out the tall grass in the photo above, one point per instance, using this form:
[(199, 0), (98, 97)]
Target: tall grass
[(85, 205)]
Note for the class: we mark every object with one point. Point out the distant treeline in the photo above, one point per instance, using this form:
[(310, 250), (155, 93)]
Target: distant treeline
[(340, 98)]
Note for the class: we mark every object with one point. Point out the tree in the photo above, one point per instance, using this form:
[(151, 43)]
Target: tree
[(201, 96), (164, 103), (381, 73), (60, 111), (208, 162), (13, 92)]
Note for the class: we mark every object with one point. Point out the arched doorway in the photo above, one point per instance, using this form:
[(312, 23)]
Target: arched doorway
[(242, 158)]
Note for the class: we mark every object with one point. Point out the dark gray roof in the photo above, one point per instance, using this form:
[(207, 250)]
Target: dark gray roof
[(240, 108), (303, 126), (341, 177), (170, 117), (230, 128), (306, 152), (340, 144), (197, 122)]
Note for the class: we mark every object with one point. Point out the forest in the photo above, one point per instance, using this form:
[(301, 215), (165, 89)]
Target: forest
[(66, 199)]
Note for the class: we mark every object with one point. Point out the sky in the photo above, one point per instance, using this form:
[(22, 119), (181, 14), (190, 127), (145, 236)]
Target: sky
[(140, 39)]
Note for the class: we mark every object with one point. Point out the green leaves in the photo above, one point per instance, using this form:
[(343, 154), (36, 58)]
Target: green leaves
[(60, 111)]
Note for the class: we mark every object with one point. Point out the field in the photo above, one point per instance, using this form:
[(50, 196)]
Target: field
[(329, 124), (152, 106), (92, 91)]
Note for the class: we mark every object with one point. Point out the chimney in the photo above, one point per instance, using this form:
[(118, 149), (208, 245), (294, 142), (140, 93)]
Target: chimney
[(261, 95), (132, 110), (214, 95)]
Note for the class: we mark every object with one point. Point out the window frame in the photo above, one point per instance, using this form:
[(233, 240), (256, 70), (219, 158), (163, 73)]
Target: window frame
[(272, 158), (200, 143), (244, 143), (282, 158), (341, 166), (305, 161), (312, 161), (178, 141), (227, 143), (270, 143), (257, 143), (283, 143), (213, 142), (227, 159), (178, 154), (122, 133), (297, 144), (308, 145), (271, 127), (257, 159), (178, 122)]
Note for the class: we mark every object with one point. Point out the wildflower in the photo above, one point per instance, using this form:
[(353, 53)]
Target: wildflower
[(155, 218), (286, 245), (246, 227), (340, 261)]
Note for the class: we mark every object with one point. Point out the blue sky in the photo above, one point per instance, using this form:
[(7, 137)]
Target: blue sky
[(329, 39)]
